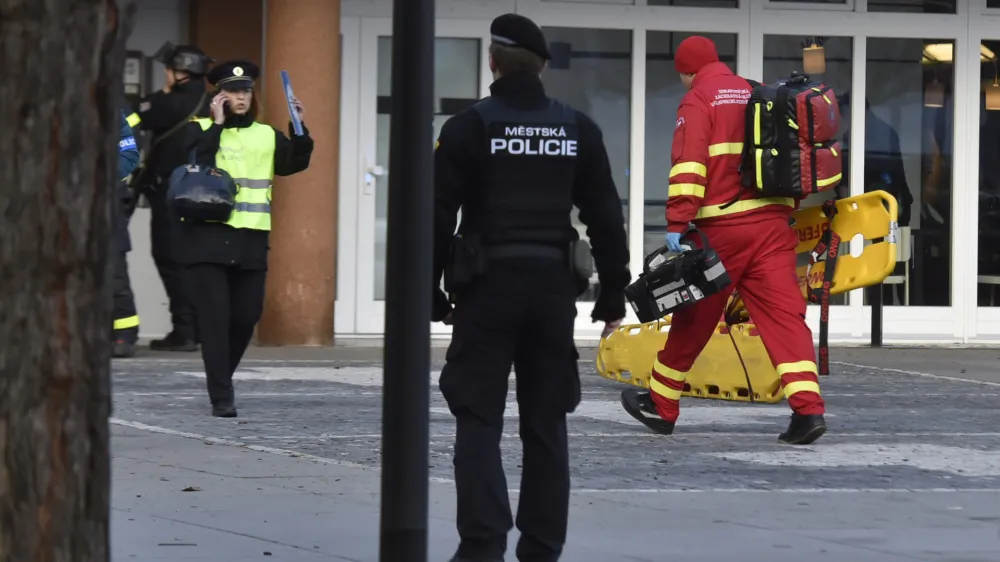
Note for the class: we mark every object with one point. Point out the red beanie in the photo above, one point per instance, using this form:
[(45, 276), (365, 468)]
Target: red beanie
[(694, 53)]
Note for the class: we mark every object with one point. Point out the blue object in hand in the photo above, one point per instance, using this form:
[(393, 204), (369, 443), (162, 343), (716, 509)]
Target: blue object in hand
[(674, 242)]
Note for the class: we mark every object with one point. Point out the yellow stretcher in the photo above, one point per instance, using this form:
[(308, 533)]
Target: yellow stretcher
[(627, 354)]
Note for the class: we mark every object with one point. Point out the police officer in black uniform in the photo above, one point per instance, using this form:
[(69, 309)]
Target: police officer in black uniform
[(516, 163), (164, 114), (125, 328)]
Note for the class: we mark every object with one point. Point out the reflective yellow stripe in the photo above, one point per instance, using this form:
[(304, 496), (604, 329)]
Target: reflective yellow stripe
[(759, 168), (689, 168), (796, 367), (800, 386), (133, 120), (664, 390), (126, 323), (712, 211), (686, 189), (724, 148), (667, 372), (828, 181), (756, 125)]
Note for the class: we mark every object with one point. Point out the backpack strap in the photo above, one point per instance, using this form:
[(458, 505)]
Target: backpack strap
[(745, 153), (828, 244)]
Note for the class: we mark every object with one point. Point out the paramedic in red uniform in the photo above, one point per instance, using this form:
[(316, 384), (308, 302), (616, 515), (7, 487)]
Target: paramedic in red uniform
[(752, 237)]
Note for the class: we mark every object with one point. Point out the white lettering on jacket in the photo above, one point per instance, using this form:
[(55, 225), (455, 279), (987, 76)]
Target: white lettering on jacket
[(533, 147)]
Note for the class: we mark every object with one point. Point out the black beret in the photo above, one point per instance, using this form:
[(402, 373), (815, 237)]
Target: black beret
[(234, 75), (513, 30)]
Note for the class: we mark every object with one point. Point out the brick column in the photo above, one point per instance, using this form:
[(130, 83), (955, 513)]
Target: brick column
[(303, 37)]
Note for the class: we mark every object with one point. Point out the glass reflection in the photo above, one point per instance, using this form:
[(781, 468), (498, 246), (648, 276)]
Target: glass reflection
[(591, 70), (988, 264), (908, 153)]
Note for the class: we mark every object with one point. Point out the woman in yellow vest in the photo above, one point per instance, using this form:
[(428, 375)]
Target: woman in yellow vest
[(227, 262)]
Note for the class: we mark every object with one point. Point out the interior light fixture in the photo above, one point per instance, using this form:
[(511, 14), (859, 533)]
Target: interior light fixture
[(993, 90), (934, 94), (814, 58), (945, 52)]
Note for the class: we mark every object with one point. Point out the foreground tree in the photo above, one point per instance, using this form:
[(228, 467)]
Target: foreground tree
[(60, 85)]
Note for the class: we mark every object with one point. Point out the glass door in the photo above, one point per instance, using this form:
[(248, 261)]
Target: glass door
[(461, 77)]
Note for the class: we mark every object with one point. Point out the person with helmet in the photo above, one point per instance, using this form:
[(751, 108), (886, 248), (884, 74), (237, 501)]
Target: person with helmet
[(515, 164), (227, 261), (752, 237), (164, 114), (125, 329)]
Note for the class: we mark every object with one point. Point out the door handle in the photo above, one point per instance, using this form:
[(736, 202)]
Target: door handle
[(370, 175)]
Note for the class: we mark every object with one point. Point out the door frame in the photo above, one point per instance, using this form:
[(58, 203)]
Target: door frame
[(370, 313)]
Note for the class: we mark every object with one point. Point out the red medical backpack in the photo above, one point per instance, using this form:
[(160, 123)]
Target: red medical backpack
[(791, 147)]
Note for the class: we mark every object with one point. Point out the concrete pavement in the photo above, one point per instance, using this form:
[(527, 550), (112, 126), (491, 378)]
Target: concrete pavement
[(910, 469)]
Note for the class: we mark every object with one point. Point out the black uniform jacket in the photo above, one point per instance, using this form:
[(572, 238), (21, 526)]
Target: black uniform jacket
[(461, 155), (220, 243), (159, 112)]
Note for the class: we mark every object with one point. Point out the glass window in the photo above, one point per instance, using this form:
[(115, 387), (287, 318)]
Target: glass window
[(993, 3), (663, 95), (828, 2), (456, 86), (696, 3), (914, 6), (829, 60), (988, 275), (908, 153), (591, 70)]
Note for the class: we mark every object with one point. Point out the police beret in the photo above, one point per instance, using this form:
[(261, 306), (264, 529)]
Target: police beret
[(513, 30), (234, 75)]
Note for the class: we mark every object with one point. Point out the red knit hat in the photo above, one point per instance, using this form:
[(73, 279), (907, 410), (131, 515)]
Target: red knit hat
[(694, 53)]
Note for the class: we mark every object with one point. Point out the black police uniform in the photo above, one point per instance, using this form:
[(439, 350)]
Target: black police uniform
[(165, 115), (228, 266), (516, 163)]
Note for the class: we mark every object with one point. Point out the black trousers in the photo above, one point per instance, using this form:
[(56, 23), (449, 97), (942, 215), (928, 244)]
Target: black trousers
[(174, 275), (520, 312), (126, 320), (229, 302)]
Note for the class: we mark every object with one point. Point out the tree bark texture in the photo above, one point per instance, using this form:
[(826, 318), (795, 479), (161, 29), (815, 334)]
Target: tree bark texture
[(60, 90)]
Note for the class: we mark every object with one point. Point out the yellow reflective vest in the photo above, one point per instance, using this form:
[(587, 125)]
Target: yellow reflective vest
[(247, 154)]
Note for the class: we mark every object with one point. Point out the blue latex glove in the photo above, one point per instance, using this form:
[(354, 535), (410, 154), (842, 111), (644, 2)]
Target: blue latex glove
[(674, 242)]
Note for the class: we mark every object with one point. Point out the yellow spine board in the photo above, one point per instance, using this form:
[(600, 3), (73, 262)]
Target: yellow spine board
[(627, 354)]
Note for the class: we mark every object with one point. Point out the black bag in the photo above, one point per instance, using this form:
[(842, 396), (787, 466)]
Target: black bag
[(670, 281), (201, 193)]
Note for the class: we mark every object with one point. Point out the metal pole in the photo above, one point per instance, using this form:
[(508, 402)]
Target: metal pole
[(875, 300), (409, 251)]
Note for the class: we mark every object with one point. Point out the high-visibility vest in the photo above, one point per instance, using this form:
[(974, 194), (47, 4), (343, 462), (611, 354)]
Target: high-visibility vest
[(247, 154)]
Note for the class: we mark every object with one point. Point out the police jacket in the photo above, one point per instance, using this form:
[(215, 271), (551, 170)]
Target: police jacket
[(706, 155), (516, 163), (128, 160), (222, 243), (159, 113)]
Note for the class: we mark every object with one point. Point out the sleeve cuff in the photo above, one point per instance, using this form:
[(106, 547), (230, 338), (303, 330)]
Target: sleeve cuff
[(678, 227)]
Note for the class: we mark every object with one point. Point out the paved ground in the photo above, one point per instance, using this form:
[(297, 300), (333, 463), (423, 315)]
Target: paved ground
[(910, 469)]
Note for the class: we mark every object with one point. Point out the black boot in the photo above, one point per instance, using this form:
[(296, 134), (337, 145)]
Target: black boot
[(173, 342), (123, 349), (224, 409), (803, 430), (640, 406)]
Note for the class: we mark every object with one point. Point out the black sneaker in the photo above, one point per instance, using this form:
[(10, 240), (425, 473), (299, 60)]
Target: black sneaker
[(173, 342), (640, 406), (123, 349), (224, 410), (803, 430)]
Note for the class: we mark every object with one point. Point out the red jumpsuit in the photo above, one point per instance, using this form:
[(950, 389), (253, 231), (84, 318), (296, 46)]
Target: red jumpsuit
[(752, 238)]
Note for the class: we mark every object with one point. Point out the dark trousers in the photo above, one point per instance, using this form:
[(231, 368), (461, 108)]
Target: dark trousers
[(126, 320), (520, 312), (173, 274), (229, 302)]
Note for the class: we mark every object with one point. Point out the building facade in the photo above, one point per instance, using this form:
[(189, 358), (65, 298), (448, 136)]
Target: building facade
[(919, 77)]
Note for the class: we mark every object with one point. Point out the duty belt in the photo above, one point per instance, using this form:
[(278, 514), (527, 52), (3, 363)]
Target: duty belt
[(506, 251)]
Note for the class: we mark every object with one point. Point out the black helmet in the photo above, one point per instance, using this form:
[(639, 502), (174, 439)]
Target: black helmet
[(186, 58)]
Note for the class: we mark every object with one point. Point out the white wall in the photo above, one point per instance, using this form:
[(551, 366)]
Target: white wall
[(156, 21)]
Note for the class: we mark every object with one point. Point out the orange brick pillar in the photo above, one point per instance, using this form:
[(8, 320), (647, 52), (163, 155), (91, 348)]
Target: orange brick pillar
[(303, 37)]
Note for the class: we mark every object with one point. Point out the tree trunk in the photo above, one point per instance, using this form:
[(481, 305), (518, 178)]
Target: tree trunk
[(60, 85)]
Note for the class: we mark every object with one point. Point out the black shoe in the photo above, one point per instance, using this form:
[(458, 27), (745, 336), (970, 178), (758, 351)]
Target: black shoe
[(173, 342), (123, 349), (640, 406), (803, 430), (458, 558), (224, 410)]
